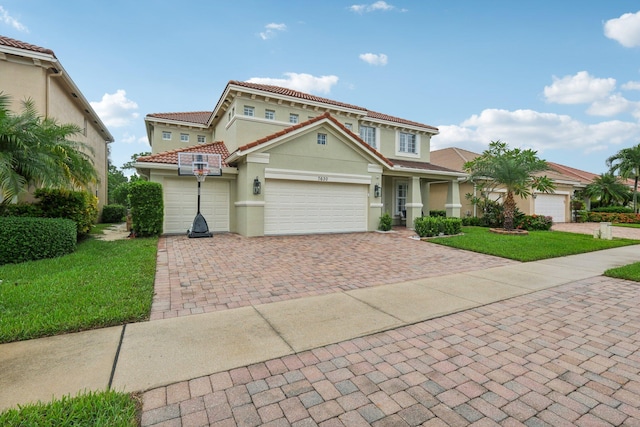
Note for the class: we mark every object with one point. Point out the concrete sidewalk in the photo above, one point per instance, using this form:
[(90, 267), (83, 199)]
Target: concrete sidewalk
[(143, 356)]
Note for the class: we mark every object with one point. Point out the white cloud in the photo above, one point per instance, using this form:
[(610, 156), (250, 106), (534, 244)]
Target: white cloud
[(625, 29), (374, 59), (532, 129), (373, 7), (301, 82), (11, 21), (271, 30), (578, 89), (613, 105), (115, 109), (631, 86)]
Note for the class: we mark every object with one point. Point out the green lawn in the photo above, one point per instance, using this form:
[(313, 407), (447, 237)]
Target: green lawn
[(626, 225), (101, 284), (627, 272), (535, 246), (104, 409)]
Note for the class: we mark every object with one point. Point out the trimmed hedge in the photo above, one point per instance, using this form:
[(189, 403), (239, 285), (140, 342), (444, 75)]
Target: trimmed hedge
[(613, 209), (438, 213), (429, 226), (27, 239), (79, 206), (147, 208), (113, 213), (621, 218)]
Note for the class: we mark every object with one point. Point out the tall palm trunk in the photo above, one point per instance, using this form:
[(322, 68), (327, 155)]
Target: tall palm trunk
[(509, 211)]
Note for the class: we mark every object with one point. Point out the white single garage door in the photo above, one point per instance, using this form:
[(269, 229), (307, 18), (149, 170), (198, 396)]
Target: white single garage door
[(302, 207), (181, 204), (552, 205)]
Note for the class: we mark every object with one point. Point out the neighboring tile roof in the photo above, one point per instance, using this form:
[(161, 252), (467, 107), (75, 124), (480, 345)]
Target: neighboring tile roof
[(420, 165), (455, 158), (307, 123), (199, 117), (171, 157), (301, 95), (6, 41)]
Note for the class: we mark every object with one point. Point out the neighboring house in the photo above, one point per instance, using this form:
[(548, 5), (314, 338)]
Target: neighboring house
[(32, 72), (557, 205), (324, 166)]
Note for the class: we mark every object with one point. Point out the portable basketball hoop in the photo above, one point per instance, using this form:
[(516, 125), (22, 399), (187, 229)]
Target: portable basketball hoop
[(201, 165)]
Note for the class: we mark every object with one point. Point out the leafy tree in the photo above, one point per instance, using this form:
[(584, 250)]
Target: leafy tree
[(37, 151), (134, 158), (513, 170), (608, 189), (115, 177), (627, 163)]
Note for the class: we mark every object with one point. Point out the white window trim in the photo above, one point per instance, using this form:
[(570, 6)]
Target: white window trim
[(396, 186), (270, 114), (184, 137), (167, 133), (399, 153), (377, 136), (204, 139), (321, 137), (297, 116), (249, 108)]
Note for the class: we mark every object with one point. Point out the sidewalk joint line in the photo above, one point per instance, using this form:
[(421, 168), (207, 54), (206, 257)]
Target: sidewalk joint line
[(293, 350), (115, 359)]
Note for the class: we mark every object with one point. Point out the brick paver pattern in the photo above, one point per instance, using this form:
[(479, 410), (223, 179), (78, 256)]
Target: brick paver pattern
[(196, 276), (566, 356)]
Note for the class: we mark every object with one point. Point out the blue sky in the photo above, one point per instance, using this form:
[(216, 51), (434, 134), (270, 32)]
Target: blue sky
[(561, 77)]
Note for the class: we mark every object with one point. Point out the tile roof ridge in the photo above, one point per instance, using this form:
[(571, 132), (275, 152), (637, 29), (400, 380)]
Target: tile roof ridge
[(179, 150), (18, 44)]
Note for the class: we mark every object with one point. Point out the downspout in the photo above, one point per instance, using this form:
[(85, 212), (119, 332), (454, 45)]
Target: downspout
[(51, 72)]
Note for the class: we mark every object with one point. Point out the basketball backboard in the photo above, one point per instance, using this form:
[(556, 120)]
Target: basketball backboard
[(208, 164)]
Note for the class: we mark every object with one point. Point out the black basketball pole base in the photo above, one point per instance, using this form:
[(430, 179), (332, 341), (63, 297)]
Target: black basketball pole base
[(199, 228)]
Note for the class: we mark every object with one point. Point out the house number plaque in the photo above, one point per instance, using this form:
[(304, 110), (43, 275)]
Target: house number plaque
[(323, 178)]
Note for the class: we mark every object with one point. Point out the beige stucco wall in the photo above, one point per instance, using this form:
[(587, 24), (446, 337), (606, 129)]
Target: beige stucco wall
[(22, 79), (159, 145)]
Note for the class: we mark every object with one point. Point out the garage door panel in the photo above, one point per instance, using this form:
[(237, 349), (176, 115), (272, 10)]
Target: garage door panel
[(552, 205), (181, 204), (296, 207)]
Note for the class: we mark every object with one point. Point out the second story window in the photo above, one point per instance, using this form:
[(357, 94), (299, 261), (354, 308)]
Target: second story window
[(322, 139), (270, 115), (407, 143), (202, 139), (249, 111), (166, 135), (184, 137), (293, 118), (368, 135), (348, 126)]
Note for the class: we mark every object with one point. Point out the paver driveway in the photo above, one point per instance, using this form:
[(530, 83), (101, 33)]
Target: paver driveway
[(228, 271), (565, 356)]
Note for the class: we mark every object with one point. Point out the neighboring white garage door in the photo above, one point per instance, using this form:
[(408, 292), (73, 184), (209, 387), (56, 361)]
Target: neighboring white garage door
[(551, 205), (181, 204), (302, 207)]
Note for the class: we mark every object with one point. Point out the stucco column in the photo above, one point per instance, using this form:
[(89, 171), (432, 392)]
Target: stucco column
[(453, 204), (414, 201)]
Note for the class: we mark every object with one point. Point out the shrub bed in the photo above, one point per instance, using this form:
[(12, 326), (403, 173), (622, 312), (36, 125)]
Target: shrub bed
[(113, 213), (27, 239), (621, 218), (385, 222), (534, 222), (429, 226), (147, 208)]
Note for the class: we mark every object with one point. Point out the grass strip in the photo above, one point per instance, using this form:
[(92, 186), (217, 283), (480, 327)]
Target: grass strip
[(626, 272), (106, 408), (535, 246), (103, 283)]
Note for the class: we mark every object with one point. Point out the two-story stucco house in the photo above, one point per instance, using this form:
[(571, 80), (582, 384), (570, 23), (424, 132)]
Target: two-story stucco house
[(323, 166), (33, 72)]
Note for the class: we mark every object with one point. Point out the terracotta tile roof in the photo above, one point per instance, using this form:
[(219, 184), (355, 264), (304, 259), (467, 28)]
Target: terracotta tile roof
[(6, 41), (171, 157), (420, 165), (307, 97), (309, 122), (453, 158), (577, 174), (199, 117)]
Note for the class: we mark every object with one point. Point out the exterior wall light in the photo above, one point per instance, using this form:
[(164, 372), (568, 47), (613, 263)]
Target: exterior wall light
[(377, 191), (257, 186)]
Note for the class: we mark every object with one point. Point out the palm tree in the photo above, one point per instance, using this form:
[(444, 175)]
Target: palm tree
[(514, 170), (36, 151), (608, 189), (627, 163)]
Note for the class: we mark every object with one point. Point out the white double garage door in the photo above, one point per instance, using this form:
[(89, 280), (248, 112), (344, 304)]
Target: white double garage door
[(291, 207)]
